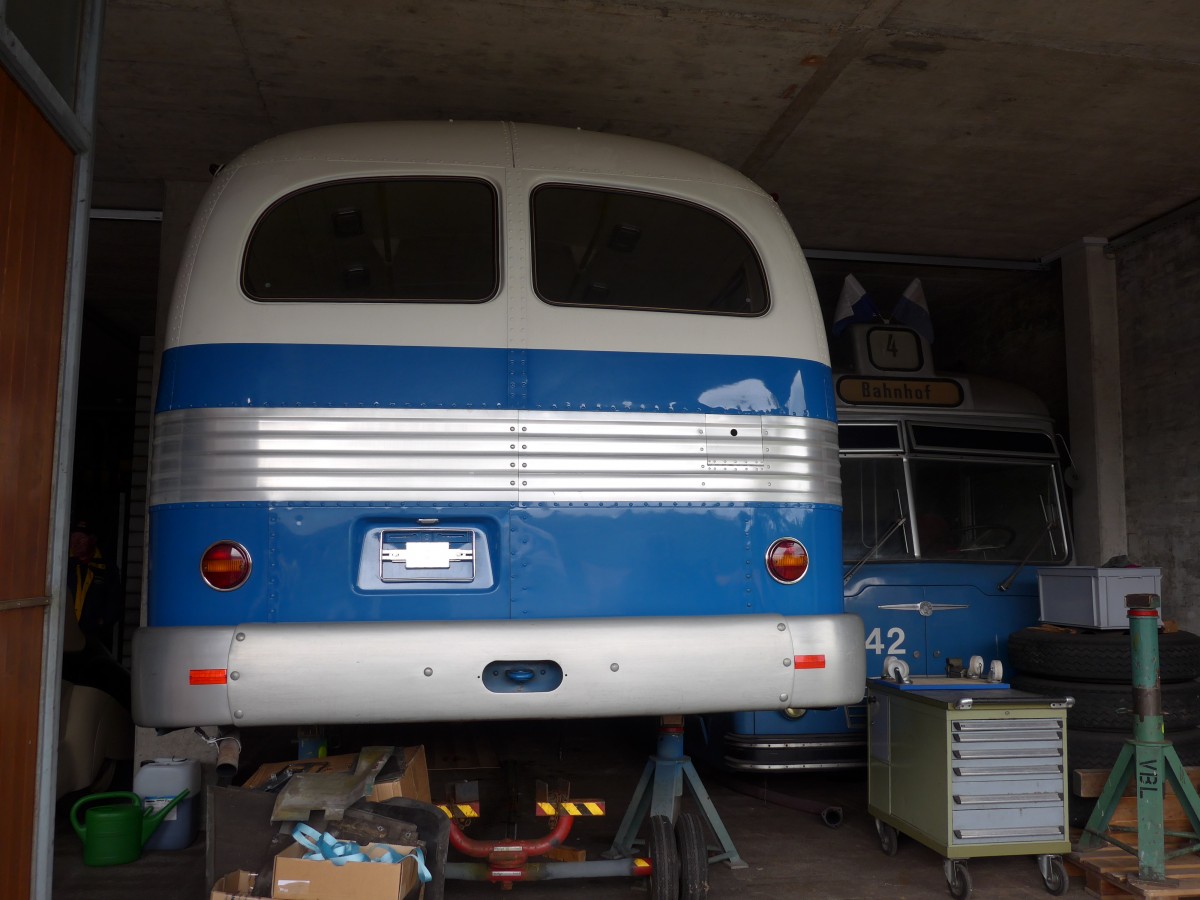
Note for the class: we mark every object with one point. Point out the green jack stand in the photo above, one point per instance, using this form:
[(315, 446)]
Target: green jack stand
[(1148, 760)]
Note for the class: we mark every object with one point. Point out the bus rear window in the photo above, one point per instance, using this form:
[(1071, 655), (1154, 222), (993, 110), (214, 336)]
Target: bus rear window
[(379, 239), (625, 250)]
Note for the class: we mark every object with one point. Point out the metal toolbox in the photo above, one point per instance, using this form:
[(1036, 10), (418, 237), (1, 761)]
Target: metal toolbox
[(969, 768), (1092, 597)]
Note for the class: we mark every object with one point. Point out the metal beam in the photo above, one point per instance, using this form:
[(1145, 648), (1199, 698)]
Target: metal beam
[(907, 259), (129, 215)]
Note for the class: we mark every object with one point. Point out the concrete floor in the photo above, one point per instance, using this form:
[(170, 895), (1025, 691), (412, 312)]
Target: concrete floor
[(790, 853)]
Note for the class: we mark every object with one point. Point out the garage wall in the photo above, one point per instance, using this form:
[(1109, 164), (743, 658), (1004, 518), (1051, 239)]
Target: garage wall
[(1158, 281)]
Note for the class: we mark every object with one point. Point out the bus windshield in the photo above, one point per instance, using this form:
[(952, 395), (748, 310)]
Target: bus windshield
[(962, 510)]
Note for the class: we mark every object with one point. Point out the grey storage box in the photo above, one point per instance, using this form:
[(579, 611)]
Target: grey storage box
[(1091, 597)]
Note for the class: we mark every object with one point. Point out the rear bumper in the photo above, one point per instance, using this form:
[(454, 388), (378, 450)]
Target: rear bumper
[(362, 672)]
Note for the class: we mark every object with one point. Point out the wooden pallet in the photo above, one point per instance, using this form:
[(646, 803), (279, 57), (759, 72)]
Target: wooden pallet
[(1111, 872)]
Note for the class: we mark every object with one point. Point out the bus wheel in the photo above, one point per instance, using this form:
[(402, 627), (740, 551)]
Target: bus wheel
[(664, 860), (693, 857)]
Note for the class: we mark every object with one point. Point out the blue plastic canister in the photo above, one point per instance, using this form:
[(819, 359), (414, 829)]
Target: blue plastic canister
[(160, 781)]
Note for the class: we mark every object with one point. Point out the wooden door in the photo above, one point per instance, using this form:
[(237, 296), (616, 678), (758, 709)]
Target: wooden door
[(36, 182)]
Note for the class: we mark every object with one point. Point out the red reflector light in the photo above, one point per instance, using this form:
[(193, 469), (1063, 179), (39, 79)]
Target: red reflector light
[(787, 560), (225, 565), (207, 676), (816, 661)]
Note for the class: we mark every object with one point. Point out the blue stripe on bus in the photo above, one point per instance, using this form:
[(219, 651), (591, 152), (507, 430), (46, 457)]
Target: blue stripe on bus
[(612, 559), (332, 376)]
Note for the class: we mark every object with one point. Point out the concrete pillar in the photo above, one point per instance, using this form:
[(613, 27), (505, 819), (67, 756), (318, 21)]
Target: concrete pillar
[(1093, 355)]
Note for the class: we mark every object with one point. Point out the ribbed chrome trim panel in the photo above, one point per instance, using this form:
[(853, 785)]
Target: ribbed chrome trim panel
[(385, 455)]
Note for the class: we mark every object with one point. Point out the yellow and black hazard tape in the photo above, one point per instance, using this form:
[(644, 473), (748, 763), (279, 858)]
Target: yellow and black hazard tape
[(460, 810), (571, 808)]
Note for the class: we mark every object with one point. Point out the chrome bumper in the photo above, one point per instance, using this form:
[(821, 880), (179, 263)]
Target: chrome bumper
[(362, 672)]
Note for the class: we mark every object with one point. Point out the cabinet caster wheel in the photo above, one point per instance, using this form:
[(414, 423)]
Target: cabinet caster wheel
[(889, 838), (1054, 874), (958, 878)]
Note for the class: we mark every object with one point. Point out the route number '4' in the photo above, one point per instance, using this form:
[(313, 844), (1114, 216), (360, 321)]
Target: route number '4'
[(895, 648)]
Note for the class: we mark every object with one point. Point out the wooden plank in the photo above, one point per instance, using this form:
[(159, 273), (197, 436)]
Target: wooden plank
[(1091, 782), (1111, 872)]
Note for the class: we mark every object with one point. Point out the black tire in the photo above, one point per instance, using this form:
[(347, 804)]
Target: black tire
[(1100, 656), (693, 857), (889, 838), (1099, 749), (960, 880), (664, 860), (1058, 881), (1109, 707)]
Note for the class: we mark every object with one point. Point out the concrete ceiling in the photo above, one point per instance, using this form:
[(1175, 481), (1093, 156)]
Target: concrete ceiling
[(1001, 129)]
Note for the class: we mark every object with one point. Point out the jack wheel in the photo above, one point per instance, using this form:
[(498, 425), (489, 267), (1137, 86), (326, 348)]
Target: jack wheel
[(958, 878), (1056, 880), (693, 857), (889, 838), (664, 860)]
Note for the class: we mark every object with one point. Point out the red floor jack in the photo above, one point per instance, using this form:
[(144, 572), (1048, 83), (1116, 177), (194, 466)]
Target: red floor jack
[(509, 860), (676, 857)]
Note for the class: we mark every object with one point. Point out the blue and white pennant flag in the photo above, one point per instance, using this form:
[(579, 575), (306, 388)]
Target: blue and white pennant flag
[(910, 310), (854, 305)]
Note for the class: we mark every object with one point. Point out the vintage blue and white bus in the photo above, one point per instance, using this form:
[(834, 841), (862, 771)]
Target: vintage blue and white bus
[(483, 421), (953, 498)]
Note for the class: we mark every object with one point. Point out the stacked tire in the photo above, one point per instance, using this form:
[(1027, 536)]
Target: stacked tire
[(1096, 669)]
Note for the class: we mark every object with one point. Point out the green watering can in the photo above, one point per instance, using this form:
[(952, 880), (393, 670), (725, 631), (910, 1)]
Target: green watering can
[(114, 834)]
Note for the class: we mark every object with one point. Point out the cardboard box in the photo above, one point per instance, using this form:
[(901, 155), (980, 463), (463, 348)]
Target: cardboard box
[(1091, 597), (234, 886), (412, 782), (319, 879)]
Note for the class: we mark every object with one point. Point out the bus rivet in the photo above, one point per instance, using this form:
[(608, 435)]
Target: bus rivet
[(234, 676), (237, 714), (241, 636), (782, 626), (783, 698), (428, 671), (614, 667)]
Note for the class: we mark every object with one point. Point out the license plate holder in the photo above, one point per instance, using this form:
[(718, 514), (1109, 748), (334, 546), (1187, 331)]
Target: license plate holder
[(426, 554)]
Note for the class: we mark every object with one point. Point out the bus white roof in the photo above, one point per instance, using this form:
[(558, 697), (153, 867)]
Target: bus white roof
[(499, 144)]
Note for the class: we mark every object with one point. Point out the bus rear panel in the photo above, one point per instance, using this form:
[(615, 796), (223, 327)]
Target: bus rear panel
[(481, 421)]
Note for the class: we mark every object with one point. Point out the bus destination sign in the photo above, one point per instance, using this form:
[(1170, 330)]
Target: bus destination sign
[(858, 391)]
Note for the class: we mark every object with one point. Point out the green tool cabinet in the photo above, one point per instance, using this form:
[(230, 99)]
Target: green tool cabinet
[(970, 768)]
